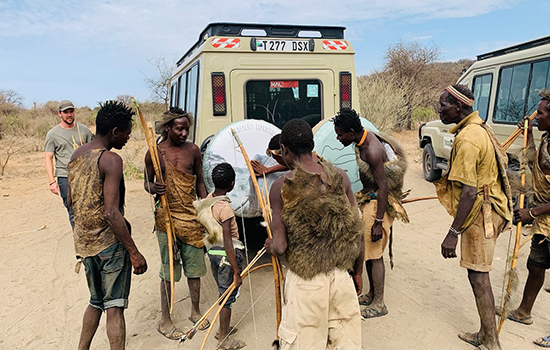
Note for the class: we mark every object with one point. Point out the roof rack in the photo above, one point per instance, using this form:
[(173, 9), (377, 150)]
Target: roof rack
[(270, 30), (514, 48)]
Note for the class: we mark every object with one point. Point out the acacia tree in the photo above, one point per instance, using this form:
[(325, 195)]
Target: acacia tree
[(410, 64), (159, 86)]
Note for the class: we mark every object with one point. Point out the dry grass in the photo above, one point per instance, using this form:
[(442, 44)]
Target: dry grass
[(23, 132), (384, 103)]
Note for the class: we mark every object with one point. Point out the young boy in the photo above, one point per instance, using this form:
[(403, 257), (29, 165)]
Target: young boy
[(227, 255)]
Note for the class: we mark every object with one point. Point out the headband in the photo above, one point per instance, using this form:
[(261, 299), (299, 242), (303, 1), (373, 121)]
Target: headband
[(459, 96)]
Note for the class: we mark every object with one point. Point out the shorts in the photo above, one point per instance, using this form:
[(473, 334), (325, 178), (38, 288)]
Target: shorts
[(223, 271), (109, 274), (192, 260), (540, 252), (375, 250), (321, 313), (476, 250)]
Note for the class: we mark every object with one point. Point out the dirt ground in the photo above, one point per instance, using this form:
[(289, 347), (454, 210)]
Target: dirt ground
[(429, 298)]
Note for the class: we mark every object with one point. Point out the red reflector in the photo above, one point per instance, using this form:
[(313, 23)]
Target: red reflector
[(345, 90), (218, 94)]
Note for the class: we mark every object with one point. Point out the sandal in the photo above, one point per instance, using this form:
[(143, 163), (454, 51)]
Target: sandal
[(470, 338), (543, 342), (204, 324), (365, 300), (235, 345), (232, 330), (527, 320), (172, 334), (372, 313)]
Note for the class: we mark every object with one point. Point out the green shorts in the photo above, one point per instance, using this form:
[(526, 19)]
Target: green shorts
[(192, 260), (109, 274)]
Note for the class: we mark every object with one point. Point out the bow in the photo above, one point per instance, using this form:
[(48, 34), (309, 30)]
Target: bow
[(512, 273), (150, 139), (266, 212)]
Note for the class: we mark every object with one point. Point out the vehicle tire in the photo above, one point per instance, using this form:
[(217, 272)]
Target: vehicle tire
[(429, 163)]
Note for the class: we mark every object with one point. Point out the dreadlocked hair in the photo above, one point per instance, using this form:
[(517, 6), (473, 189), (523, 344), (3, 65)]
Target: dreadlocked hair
[(223, 175), (464, 90), (274, 143), (347, 119), (113, 114), (297, 136), (545, 95)]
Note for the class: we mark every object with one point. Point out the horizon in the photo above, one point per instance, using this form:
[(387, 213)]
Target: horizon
[(105, 49)]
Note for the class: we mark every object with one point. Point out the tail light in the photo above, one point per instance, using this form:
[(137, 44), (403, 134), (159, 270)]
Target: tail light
[(218, 93), (345, 90)]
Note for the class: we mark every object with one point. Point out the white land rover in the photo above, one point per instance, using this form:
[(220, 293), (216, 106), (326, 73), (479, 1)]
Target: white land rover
[(505, 85)]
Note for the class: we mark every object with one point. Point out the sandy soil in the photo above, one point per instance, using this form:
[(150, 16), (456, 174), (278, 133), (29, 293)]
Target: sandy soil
[(429, 298)]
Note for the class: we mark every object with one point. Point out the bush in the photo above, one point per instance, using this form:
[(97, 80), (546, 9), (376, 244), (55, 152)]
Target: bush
[(381, 101)]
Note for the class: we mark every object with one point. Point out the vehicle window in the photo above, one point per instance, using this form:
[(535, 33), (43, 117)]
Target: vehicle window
[(192, 90), (278, 101), (173, 92), (191, 104), (512, 93), (539, 81), (182, 82), (482, 92)]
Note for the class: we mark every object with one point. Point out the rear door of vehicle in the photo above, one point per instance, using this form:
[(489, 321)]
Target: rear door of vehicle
[(277, 96)]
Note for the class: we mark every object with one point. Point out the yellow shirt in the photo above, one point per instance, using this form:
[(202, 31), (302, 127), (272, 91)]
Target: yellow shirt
[(541, 187), (473, 163)]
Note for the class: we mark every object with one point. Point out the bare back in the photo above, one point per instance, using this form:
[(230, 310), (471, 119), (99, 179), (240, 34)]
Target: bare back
[(373, 153)]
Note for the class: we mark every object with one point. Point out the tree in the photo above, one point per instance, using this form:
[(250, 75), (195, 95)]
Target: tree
[(10, 101), (410, 63), (125, 99), (159, 86)]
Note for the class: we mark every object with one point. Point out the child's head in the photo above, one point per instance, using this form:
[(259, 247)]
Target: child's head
[(274, 149), (223, 177)]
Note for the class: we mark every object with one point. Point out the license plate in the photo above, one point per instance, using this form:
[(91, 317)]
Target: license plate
[(282, 45)]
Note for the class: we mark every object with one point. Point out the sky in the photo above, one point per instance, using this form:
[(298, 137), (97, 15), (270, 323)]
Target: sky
[(92, 51)]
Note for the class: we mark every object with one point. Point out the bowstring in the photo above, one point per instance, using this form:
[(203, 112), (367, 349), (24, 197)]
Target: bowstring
[(235, 146), (251, 308), (152, 202)]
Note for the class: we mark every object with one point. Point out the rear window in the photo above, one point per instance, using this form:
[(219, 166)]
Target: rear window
[(278, 101)]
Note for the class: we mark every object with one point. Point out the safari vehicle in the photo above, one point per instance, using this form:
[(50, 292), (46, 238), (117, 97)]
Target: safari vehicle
[(505, 84), (270, 72)]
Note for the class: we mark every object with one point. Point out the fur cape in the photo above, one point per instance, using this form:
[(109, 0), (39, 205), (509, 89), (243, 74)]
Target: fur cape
[(323, 230), (395, 172), (214, 235)]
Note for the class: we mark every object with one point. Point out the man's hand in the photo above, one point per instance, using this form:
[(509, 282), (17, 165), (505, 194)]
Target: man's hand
[(377, 231), (237, 279), (448, 247), (139, 263), (521, 215), (258, 167), (267, 244), (521, 124), (54, 188), (358, 282), (159, 188)]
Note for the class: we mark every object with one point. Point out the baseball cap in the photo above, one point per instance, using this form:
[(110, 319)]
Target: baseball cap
[(65, 104)]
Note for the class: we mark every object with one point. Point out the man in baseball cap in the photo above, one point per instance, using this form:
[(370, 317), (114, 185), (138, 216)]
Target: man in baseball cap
[(64, 105), (61, 141)]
